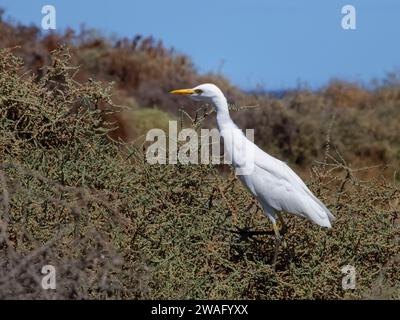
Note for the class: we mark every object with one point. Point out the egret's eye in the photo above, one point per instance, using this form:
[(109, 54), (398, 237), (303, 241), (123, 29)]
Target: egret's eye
[(198, 91)]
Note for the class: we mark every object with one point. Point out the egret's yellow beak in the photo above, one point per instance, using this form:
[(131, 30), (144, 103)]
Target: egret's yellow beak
[(182, 91)]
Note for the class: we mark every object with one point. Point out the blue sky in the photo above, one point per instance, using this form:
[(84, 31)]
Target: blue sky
[(271, 43)]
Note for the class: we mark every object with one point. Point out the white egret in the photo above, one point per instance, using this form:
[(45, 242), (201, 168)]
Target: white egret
[(276, 186)]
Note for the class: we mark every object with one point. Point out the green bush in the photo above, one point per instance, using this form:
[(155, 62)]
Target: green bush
[(117, 227)]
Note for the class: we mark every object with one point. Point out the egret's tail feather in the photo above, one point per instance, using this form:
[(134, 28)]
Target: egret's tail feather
[(320, 214)]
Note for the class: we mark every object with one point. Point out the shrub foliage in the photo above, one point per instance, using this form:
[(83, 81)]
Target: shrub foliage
[(116, 227)]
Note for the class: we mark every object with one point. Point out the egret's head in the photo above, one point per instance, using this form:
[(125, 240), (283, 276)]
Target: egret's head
[(206, 92)]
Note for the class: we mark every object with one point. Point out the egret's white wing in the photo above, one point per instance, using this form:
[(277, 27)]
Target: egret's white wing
[(284, 190), (274, 183)]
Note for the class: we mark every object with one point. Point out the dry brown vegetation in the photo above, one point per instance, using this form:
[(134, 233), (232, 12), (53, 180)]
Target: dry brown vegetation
[(117, 227), (365, 126)]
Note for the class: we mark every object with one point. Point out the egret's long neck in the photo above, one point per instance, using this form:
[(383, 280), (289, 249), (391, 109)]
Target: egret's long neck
[(223, 117)]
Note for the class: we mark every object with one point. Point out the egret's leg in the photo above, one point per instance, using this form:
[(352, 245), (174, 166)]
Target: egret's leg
[(282, 221), (277, 244), (276, 231), (283, 228), (271, 214)]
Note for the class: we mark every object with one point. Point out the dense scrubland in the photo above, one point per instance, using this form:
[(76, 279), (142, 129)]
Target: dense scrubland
[(77, 193)]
